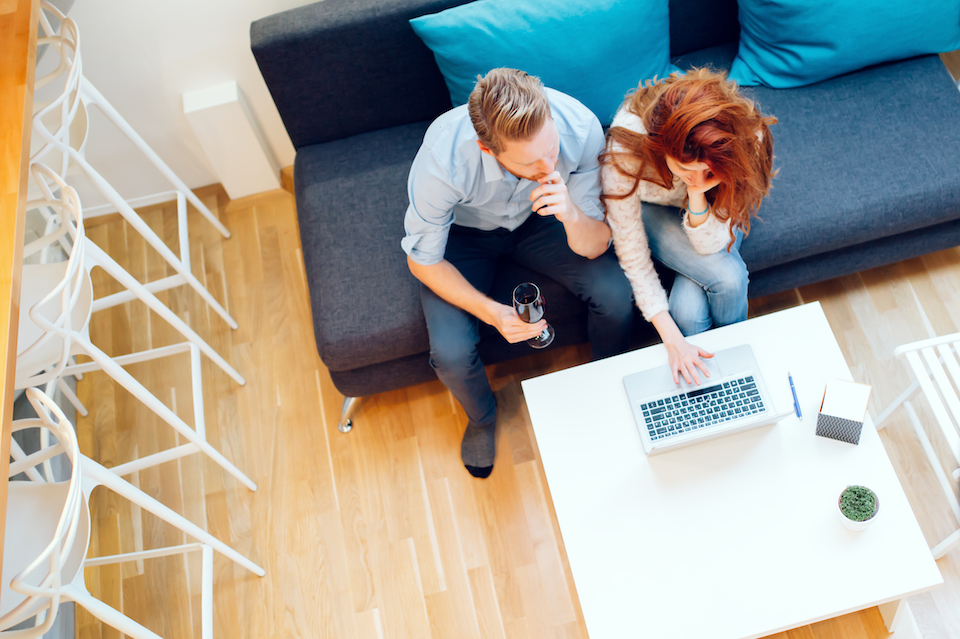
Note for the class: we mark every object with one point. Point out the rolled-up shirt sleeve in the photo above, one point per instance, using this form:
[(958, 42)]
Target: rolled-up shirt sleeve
[(583, 184), (430, 213)]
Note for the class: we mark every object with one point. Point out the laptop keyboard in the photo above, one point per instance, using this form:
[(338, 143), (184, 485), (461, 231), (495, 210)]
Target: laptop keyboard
[(702, 407)]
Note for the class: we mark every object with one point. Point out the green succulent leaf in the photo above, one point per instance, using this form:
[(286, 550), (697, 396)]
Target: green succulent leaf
[(858, 503)]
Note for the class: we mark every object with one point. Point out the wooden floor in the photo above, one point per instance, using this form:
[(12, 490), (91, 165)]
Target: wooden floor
[(381, 533)]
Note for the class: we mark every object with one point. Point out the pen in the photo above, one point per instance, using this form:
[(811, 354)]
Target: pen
[(796, 402)]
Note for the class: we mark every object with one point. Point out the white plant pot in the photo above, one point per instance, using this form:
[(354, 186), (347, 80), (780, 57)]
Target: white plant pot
[(857, 526)]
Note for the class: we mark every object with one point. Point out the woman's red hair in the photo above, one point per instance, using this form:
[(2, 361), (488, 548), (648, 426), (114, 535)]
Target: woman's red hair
[(699, 117)]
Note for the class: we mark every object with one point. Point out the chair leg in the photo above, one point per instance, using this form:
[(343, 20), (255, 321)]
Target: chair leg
[(946, 545), (99, 257), (17, 453), (71, 397), (137, 222), (199, 421), (73, 361), (349, 406), (904, 396), (206, 593), (107, 614), (943, 547), (94, 474), (130, 383), (104, 105), (206, 574)]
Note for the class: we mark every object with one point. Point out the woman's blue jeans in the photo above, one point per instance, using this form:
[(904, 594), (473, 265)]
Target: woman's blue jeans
[(709, 290)]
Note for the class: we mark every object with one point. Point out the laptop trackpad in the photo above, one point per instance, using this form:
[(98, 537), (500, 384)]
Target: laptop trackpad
[(657, 381), (715, 374)]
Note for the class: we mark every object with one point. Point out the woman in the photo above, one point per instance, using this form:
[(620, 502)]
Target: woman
[(694, 142)]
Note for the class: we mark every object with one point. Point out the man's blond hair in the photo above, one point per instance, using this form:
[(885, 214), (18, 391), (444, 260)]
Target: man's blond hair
[(507, 105)]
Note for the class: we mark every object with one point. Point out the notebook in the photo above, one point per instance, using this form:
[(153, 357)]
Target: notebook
[(734, 398)]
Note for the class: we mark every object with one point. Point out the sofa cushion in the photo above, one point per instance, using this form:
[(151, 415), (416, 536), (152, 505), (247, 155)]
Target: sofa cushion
[(791, 43), (869, 155), (351, 197), (593, 50)]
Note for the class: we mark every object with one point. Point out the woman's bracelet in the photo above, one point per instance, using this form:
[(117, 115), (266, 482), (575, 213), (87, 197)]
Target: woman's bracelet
[(703, 212)]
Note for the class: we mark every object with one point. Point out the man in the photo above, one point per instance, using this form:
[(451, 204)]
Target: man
[(512, 173)]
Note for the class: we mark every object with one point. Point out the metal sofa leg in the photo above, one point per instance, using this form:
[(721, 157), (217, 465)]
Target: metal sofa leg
[(349, 405)]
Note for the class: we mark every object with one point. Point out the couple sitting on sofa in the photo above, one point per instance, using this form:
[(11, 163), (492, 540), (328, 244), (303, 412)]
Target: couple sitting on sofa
[(519, 170)]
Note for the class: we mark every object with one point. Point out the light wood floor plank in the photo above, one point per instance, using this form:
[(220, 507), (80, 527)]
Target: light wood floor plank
[(550, 566), (452, 612)]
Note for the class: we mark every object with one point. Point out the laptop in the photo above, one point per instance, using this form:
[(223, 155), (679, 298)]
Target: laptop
[(734, 398)]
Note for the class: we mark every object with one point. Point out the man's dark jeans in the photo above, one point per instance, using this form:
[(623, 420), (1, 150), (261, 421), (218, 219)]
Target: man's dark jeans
[(540, 244)]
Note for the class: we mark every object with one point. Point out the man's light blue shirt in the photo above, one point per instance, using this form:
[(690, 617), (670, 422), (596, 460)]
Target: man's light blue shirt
[(453, 181)]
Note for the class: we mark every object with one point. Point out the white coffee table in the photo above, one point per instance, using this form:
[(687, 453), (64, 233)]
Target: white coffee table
[(731, 538)]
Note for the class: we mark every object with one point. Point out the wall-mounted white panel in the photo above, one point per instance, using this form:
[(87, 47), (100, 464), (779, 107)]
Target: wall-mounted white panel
[(232, 140)]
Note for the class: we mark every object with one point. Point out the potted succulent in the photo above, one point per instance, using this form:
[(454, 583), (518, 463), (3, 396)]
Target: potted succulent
[(858, 506)]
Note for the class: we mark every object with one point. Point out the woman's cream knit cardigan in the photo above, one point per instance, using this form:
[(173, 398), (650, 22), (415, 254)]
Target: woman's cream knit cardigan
[(629, 237)]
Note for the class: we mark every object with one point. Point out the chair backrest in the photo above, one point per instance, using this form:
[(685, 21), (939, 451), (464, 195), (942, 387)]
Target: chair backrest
[(936, 364), (41, 590), (69, 212), (52, 123)]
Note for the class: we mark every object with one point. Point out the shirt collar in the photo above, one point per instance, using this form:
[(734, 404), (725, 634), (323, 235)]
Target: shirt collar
[(492, 171)]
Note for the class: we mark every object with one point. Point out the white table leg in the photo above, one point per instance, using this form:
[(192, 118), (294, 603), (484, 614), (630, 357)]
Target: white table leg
[(899, 619), (891, 613)]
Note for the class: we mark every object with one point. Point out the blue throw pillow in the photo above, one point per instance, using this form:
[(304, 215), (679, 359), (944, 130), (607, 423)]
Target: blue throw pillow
[(593, 50), (790, 43)]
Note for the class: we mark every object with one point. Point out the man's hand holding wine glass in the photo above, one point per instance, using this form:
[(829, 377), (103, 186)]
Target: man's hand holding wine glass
[(530, 307), (514, 329)]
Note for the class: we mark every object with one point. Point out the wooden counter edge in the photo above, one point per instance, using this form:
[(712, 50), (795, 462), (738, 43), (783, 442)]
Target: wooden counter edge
[(17, 63)]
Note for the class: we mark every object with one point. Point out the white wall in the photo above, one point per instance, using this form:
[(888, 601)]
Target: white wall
[(143, 56)]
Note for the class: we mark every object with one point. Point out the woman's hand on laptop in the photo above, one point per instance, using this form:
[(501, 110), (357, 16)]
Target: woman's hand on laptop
[(683, 357)]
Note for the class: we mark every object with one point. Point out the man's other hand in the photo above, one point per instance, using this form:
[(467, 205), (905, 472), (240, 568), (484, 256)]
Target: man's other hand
[(552, 198)]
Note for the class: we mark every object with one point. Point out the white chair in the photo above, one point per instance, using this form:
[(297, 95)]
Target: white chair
[(56, 304), (61, 131), (931, 360), (48, 533)]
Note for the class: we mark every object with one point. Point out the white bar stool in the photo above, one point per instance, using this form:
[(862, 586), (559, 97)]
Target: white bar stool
[(48, 535), (56, 306), (60, 136)]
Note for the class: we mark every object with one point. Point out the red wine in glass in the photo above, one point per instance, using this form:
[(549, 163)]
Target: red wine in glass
[(530, 306)]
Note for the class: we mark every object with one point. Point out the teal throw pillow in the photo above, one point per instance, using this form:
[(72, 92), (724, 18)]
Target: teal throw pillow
[(593, 50), (791, 43)]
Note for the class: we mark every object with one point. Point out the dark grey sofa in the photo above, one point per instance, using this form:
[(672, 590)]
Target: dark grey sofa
[(869, 174)]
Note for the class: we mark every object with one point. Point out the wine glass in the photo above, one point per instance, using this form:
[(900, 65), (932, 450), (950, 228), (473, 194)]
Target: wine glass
[(530, 306)]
